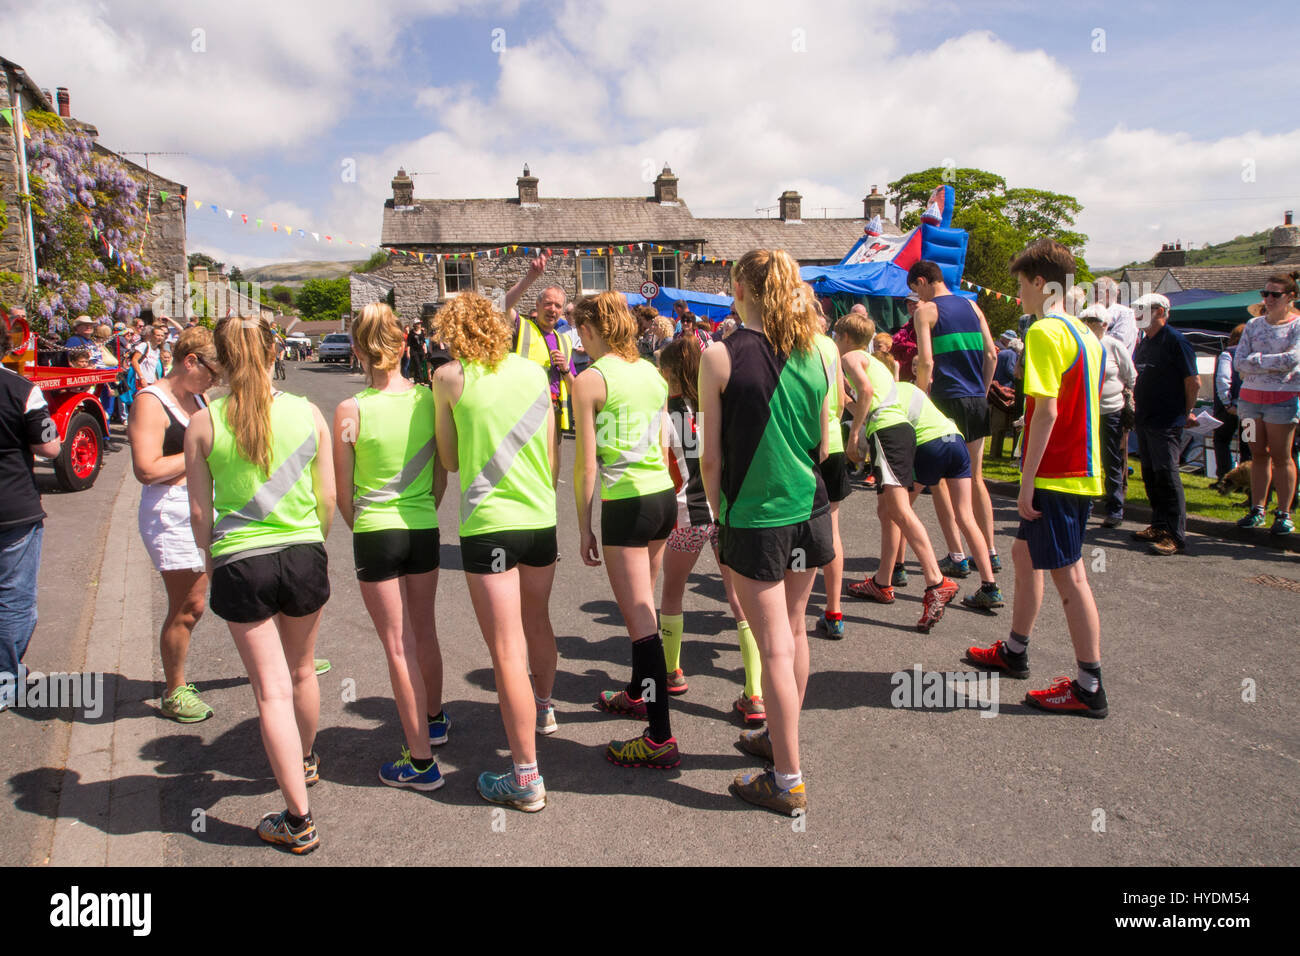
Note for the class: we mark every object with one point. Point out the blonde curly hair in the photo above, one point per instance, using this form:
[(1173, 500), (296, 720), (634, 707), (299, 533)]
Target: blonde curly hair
[(473, 330)]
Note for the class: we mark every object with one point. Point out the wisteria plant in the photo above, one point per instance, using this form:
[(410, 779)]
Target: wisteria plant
[(81, 201)]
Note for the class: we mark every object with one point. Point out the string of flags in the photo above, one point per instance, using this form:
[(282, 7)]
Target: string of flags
[(8, 115), (492, 252), (1000, 296)]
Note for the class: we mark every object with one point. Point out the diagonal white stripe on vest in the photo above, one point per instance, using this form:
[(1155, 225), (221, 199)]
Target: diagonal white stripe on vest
[(891, 398), (271, 493), (504, 457), (915, 405), (612, 472), (394, 487)]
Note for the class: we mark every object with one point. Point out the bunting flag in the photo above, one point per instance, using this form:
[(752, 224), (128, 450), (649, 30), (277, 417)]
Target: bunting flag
[(981, 290), (230, 213), (164, 195)]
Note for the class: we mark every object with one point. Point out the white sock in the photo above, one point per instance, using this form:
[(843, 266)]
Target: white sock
[(526, 773), (542, 702), (957, 556), (787, 781)]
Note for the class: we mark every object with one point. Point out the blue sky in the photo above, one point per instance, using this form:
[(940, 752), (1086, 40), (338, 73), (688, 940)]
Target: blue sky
[(1154, 135)]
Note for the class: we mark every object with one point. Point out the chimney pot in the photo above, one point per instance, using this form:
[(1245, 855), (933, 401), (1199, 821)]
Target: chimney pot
[(1286, 220), (403, 188), (527, 184), (65, 102), (791, 206), (666, 187), (873, 205)]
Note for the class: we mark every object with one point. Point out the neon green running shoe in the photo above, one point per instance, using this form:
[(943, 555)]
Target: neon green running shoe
[(322, 666), (185, 705)]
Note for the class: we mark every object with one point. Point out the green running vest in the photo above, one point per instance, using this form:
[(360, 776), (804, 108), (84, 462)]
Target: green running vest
[(253, 512), (505, 467), (392, 473), (628, 429), (926, 419), (885, 410), (831, 359)]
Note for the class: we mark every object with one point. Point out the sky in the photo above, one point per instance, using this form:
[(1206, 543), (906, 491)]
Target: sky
[(1168, 121)]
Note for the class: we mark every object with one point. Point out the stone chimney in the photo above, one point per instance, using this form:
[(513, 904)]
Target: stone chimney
[(666, 187), (201, 275), (790, 206), (1284, 241), (65, 102), (1170, 255), (873, 205), (527, 184), (403, 189)]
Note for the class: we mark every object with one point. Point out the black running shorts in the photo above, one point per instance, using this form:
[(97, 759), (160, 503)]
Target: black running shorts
[(635, 522), (836, 476), (294, 582), (499, 551), (893, 451), (969, 414), (393, 552), (765, 554)]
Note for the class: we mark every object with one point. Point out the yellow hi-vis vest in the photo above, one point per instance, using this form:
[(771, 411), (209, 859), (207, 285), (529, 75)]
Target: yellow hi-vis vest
[(531, 344)]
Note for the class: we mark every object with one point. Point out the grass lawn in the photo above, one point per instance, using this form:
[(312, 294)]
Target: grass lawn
[(1201, 498)]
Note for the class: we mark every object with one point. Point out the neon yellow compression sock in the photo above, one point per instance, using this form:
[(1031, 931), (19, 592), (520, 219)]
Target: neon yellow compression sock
[(670, 629), (753, 662)]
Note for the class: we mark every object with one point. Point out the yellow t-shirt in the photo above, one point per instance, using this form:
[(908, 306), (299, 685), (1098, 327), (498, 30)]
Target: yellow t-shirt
[(1063, 360)]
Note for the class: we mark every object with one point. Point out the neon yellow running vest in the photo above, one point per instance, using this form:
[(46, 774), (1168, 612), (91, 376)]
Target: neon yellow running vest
[(628, 429), (929, 422), (831, 359), (505, 466), (253, 512), (392, 474), (885, 410)]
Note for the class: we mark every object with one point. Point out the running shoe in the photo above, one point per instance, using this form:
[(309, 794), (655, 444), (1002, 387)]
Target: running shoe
[(618, 702), (1282, 524), (999, 658), (439, 727), (832, 629), (546, 724), (954, 569), (677, 682), (502, 788), (275, 829), (1166, 545), (751, 709), (322, 666), (644, 752), (756, 743), (185, 705), (1065, 696), (899, 578), (1253, 520), (936, 599), (402, 773), (311, 769), (1150, 534), (1112, 521), (985, 599), (869, 590), (996, 561), (759, 788)]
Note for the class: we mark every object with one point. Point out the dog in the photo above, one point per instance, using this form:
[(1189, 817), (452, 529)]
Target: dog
[(1236, 480)]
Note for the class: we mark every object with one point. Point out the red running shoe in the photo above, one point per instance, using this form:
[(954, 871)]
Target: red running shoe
[(936, 599), (1065, 696), (999, 658), (871, 591), (623, 705)]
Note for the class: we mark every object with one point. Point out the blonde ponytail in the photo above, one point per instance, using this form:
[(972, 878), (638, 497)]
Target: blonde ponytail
[(246, 350), (784, 301)]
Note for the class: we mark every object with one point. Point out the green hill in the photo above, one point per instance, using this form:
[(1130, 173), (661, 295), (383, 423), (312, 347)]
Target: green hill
[(1241, 251), (294, 274)]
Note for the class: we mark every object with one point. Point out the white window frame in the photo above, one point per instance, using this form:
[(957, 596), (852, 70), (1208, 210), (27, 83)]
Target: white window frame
[(651, 270), (447, 293), (582, 262)]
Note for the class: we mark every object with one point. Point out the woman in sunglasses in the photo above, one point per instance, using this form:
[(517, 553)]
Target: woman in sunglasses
[(157, 433), (1268, 361)]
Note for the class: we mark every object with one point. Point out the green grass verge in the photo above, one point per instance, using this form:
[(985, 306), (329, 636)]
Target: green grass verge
[(1202, 500)]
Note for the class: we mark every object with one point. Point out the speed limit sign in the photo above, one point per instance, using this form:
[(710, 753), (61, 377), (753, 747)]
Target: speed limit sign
[(649, 289)]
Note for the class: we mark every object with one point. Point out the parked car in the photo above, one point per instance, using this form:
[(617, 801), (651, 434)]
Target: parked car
[(335, 347)]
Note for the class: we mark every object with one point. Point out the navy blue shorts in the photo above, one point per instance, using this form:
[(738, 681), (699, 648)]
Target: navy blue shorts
[(1056, 539), (941, 458)]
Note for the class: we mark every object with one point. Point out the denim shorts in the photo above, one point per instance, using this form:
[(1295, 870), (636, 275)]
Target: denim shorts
[(1278, 413)]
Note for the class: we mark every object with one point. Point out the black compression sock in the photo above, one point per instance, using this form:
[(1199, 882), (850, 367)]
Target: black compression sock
[(421, 765), (296, 822), (650, 679)]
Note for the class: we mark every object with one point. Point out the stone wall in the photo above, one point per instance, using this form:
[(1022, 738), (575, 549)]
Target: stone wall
[(164, 246), (365, 288), (15, 253)]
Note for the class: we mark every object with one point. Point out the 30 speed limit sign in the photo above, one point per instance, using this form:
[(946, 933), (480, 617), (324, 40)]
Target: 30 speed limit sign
[(649, 289)]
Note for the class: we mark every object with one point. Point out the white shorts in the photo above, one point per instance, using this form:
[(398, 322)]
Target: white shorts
[(165, 528)]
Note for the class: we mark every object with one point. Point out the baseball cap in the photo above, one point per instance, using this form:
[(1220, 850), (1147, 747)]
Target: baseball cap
[(1151, 300), (1008, 336), (913, 297)]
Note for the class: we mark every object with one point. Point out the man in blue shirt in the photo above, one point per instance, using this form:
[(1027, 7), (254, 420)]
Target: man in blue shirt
[(1165, 394)]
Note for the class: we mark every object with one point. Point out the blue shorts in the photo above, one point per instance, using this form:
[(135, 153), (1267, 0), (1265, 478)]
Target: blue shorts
[(941, 458), (1056, 539), (1277, 413)]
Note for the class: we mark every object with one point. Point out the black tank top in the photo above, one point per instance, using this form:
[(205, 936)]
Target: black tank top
[(174, 437)]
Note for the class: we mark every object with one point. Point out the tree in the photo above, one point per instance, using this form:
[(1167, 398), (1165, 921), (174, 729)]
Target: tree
[(1000, 222), (282, 294), (236, 274), (325, 298), (203, 259), (377, 260)]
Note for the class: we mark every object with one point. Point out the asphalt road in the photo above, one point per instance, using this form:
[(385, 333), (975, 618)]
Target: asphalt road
[(1197, 763)]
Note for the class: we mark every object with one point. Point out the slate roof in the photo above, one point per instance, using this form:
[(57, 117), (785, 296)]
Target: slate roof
[(1226, 279), (492, 222)]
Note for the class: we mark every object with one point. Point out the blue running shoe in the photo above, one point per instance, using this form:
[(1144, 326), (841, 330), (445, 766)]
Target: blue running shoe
[(438, 729), (402, 773), (996, 559), (502, 788), (954, 569)]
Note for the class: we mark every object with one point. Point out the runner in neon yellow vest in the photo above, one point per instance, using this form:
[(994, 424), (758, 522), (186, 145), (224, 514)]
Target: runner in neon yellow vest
[(620, 404), (261, 506), (495, 426), (389, 481), (834, 469)]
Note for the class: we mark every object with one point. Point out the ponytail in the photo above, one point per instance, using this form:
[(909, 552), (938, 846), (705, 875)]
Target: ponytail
[(786, 304), (246, 350)]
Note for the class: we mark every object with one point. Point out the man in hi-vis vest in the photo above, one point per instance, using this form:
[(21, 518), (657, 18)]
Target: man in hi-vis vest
[(537, 340)]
